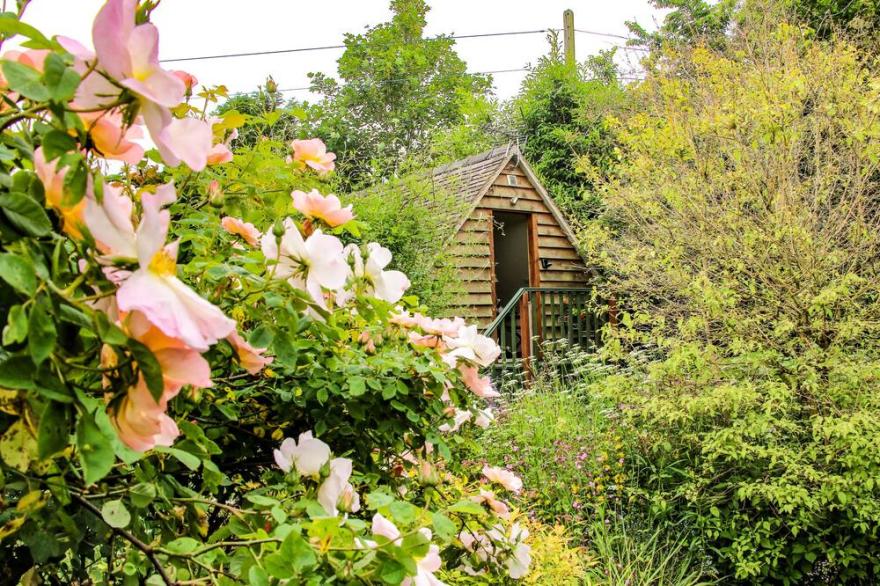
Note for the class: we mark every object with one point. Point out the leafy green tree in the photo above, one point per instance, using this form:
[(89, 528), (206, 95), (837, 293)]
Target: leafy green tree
[(396, 89), (269, 116), (687, 22), (744, 260), (560, 115)]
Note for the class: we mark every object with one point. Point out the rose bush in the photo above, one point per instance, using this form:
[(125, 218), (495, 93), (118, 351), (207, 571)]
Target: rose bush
[(205, 377)]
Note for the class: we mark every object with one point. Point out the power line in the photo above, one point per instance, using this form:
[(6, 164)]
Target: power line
[(598, 34), (326, 47), (399, 79), (494, 71)]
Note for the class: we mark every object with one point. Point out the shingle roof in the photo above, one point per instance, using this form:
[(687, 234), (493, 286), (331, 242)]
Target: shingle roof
[(451, 190), (468, 177)]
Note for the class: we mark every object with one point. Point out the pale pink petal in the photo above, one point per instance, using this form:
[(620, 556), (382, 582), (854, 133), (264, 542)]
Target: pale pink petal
[(189, 139), (110, 33), (385, 528), (219, 154), (174, 308), (110, 223), (246, 230), (251, 359)]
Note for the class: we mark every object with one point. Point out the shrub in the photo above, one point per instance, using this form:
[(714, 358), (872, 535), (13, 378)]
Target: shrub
[(416, 224), (202, 378), (742, 242)]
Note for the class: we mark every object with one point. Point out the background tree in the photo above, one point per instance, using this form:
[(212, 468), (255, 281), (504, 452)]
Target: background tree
[(396, 88), (744, 259), (560, 116)]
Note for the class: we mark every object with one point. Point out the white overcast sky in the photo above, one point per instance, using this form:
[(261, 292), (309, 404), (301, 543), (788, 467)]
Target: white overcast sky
[(209, 27)]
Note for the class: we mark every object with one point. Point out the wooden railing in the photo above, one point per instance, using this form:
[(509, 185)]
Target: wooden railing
[(536, 315)]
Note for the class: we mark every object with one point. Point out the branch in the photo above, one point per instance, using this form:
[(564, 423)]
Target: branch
[(146, 549)]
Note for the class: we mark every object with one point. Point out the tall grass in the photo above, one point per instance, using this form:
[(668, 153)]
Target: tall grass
[(573, 452)]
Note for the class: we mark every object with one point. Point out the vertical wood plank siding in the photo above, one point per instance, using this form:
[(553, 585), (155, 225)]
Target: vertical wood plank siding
[(472, 246)]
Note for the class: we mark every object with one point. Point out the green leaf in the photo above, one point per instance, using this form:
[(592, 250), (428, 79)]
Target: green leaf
[(49, 386), (60, 79), (189, 460), (416, 544), (261, 500), (18, 447), (10, 26), (53, 433), (392, 572), (57, 144), (142, 494), (443, 526), (148, 366), (95, 450), (16, 326), (257, 576), (299, 552), (466, 506), (376, 500), (356, 386), (41, 331), (25, 80), (16, 372), (115, 514), (182, 545), (75, 181), (19, 273), (25, 214), (109, 332), (278, 566)]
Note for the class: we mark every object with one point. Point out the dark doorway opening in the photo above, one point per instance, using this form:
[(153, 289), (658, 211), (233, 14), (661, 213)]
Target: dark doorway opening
[(511, 244)]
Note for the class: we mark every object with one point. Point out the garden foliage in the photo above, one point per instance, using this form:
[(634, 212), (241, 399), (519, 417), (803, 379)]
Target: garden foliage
[(205, 377), (741, 242)]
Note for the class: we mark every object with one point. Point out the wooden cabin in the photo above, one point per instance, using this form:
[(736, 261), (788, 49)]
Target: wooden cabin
[(510, 234), (522, 279)]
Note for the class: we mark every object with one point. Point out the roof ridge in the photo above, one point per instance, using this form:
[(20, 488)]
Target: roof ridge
[(499, 151)]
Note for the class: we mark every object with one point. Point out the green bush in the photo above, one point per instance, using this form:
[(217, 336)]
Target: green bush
[(743, 255), (396, 215)]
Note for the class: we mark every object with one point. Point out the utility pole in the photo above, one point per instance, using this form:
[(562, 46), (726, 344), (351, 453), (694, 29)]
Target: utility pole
[(568, 37)]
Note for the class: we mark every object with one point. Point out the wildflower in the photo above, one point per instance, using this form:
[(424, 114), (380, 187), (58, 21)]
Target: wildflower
[(53, 187), (307, 456), (154, 289), (386, 285), (327, 208), (426, 566), (246, 230), (313, 153), (307, 264), (141, 421), (335, 485), (250, 358), (189, 80), (385, 528), (129, 53), (505, 478), (111, 138)]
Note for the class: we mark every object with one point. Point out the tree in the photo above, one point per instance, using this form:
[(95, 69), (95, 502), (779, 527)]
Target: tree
[(396, 89), (560, 115), (741, 241), (687, 22)]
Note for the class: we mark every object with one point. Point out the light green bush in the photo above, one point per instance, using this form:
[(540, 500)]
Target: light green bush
[(744, 257)]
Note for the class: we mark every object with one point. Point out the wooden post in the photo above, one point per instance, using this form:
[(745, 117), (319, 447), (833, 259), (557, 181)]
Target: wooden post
[(525, 331), (568, 37)]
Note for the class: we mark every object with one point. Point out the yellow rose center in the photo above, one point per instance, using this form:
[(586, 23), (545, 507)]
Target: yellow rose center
[(163, 264)]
